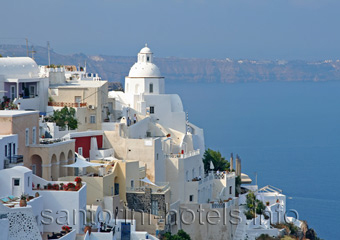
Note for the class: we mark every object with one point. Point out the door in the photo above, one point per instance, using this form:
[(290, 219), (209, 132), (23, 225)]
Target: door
[(32, 91), (116, 188), (16, 188), (125, 233), (12, 92)]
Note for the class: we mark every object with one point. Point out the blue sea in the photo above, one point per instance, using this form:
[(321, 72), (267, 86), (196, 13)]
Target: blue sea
[(287, 132)]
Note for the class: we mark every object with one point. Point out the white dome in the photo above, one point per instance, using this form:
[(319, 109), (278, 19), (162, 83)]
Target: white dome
[(18, 67), (145, 50), (143, 69)]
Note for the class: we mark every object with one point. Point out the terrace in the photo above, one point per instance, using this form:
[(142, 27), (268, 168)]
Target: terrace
[(67, 104), (160, 187)]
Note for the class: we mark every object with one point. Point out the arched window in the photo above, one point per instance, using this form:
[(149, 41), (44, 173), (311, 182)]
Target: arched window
[(151, 88), (147, 58)]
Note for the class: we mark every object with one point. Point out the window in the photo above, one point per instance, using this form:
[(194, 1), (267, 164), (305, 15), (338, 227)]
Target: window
[(187, 175), (93, 119), (16, 182), (80, 151), (27, 137), (34, 169), (151, 88), (147, 58), (85, 119), (152, 110), (157, 156), (6, 150), (191, 198), (34, 135), (28, 181), (154, 207), (230, 190), (77, 100), (193, 173), (132, 184), (13, 148), (200, 171)]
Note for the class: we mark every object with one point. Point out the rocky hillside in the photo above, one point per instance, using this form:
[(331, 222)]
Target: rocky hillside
[(115, 68)]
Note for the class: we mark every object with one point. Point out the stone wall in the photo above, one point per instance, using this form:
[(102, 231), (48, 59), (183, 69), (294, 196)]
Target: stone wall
[(141, 201)]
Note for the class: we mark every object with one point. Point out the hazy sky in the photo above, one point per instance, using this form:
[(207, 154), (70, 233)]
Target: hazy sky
[(257, 29)]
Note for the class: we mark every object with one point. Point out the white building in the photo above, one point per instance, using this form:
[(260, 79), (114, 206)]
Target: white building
[(21, 83), (9, 150), (178, 146)]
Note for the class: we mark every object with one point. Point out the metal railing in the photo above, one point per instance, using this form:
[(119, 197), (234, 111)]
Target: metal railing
[(15, 159), (66, 104), (161, 187)]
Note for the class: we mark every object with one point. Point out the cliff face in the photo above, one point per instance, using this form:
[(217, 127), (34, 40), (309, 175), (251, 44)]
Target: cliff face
[(115, 68)]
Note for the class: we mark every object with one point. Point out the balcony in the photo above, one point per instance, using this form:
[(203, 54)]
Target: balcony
[(160, 188), (52, 140), (185, 155), (66, 104), (11, 161)]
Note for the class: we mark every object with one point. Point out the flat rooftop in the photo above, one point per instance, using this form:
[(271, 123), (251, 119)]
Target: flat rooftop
[(15, 113), (80, 84)]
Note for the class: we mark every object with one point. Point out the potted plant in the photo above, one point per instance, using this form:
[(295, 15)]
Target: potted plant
[(56, 186), (87, 229), (267, 203), (23, 202), (78, 182), (61, 186), (37, 194), (49, 186), (65, 229), (277, 201)]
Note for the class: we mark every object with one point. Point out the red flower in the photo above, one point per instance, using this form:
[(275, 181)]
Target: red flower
[(65, 228), (78, 180)]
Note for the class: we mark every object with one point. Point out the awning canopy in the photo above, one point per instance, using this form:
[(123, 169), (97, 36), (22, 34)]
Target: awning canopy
[(146, 180), (82, 163), (211, 165)]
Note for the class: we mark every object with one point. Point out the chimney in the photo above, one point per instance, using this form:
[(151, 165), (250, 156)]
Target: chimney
[(238, 166), (231, 162)]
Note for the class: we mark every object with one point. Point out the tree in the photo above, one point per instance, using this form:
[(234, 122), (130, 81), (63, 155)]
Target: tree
[(65, 117), (181, 235), (220, 163), (253, 205)]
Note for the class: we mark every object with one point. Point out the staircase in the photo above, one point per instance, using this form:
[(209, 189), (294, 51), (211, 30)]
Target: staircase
[(240, 233)]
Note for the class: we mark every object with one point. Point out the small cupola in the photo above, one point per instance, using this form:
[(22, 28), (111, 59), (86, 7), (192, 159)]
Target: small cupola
[(145, 55)]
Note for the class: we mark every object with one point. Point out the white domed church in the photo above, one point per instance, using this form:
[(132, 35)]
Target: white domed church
[(145, 94)]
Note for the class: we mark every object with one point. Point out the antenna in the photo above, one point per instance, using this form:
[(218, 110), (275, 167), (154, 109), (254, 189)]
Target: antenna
[(33, 52), (27, 47), (48, 53)]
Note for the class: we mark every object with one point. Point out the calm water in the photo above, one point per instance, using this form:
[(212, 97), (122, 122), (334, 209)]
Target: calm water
[(289, 133)]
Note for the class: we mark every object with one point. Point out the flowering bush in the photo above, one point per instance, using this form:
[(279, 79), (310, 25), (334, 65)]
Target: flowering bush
[(71, 185), (77, 180)]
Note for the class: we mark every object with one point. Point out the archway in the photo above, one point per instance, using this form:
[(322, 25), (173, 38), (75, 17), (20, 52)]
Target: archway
[(62, 162), (36, 163), (70, 160), (116, 186), (54, 168)]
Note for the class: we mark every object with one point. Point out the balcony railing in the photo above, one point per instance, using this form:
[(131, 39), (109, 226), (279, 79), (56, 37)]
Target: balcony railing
[(160, 188), (66, 104), (15, 159), (52, 140)]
